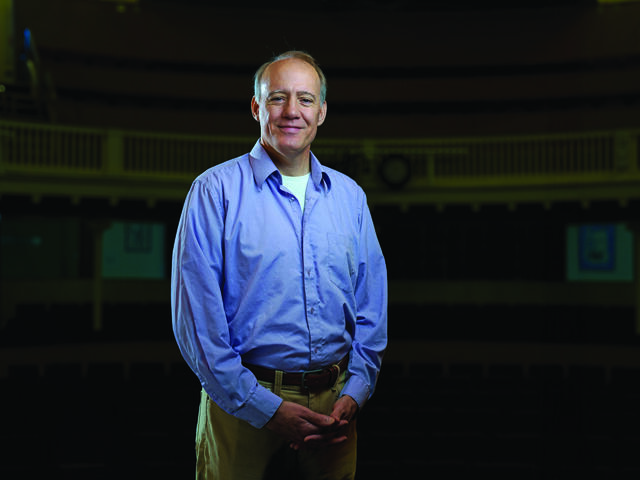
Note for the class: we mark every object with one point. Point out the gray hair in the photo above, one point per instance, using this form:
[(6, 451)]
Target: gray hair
[(300, 55)]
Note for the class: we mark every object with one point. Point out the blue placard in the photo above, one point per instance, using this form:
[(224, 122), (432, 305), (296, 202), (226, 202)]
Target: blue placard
[(596, 248)]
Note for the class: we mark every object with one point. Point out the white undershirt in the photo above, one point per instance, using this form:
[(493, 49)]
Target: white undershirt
[(297, 186)]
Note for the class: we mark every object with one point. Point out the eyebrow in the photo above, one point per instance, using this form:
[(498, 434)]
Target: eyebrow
[(285, 92)]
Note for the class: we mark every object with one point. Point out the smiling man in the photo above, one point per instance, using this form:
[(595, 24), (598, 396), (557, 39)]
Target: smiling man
[(290, 104), (279, 295)]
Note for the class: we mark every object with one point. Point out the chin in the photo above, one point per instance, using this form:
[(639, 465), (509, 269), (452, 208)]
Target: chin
[(291, 147)]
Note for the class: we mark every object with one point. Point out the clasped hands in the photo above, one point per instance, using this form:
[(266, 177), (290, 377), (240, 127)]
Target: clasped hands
[(306, 428)]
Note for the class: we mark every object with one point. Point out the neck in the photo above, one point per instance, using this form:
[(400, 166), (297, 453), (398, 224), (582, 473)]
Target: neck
[(294, 165)]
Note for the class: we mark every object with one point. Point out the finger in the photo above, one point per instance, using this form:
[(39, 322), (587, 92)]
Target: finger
[(328, 436), (340, 422), (323, 440), (320, 420)]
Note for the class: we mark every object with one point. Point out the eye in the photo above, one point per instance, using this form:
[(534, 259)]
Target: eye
[(306, 100), (276, 99)]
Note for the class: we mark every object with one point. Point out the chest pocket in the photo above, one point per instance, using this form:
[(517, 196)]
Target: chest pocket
[(341, 259)]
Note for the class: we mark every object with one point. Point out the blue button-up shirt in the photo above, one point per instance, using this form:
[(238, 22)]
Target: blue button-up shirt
[(256, 279)]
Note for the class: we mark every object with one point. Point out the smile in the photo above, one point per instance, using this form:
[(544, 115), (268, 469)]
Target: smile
[(290, 128)]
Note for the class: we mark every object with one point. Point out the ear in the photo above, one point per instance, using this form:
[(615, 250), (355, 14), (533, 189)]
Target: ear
[(255, 109), (322, 114)]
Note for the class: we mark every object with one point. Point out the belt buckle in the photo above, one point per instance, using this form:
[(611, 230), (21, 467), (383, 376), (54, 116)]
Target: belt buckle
[(304, 376)]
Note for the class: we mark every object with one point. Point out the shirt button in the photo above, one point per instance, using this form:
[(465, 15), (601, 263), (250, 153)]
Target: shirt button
[(312, 310)]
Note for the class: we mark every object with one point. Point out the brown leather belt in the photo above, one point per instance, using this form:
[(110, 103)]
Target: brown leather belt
[(312, 380)]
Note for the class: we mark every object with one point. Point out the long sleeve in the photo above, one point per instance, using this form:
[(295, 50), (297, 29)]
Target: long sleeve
[(370, 338), (199, 318)]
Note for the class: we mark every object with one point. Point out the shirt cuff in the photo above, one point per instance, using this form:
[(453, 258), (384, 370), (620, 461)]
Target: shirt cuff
[(357, 389), (260, 407)]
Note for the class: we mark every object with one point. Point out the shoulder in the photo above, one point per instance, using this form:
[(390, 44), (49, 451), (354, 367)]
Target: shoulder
[(342, 184), (224, 172), (214, 185)]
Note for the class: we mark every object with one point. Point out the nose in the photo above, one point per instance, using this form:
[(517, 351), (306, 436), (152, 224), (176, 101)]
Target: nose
[(291, 108)]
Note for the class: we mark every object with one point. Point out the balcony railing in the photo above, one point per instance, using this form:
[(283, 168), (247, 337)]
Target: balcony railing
[(42, 159)]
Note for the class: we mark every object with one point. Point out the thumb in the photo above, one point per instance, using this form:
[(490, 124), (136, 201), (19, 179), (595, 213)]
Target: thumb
[(320, 420)]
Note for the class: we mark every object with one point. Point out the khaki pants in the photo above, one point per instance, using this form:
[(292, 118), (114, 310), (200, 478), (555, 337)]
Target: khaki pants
[(231, 449)]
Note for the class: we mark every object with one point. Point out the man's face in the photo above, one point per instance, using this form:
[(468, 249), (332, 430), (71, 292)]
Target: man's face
[(289, 110)]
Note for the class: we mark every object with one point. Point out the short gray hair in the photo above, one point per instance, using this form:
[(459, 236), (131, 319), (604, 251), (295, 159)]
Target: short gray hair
[(300, 55)]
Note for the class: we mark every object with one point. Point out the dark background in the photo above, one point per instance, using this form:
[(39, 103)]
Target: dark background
[(535, 387)]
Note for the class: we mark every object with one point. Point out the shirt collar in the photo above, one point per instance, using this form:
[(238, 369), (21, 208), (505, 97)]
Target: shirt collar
[(263, 167)]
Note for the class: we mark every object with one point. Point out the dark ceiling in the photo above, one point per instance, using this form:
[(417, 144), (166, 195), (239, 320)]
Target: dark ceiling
[(391, 5)]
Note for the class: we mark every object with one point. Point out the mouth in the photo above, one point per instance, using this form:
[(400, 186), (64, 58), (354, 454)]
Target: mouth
[(290, 128)]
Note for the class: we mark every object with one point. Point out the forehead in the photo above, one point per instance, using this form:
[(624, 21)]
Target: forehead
[(290, 74)]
